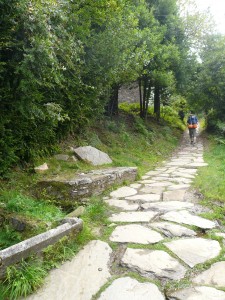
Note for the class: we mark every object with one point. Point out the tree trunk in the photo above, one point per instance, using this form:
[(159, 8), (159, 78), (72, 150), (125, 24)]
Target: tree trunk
[(157, 101), (147, 98), (113, 105), (141, 98)]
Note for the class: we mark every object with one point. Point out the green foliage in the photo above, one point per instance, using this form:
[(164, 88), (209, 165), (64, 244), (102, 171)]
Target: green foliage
[(14, 201), (171, 116), (9, 237), (23, 280), (208, 85), (60, 61)]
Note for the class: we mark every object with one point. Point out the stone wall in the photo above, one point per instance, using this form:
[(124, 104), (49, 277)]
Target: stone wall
[(73, 189), (129, 93)]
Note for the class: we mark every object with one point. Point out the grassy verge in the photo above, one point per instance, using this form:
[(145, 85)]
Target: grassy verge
[(210, 181)]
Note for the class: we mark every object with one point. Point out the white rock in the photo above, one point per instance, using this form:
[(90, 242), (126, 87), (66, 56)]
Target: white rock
[(185, 217), (172, 230), (41, 169), (80, 278), (214, 276), (135, 234), (194, 251), (93, 155), (133, 217), (198, 293), (154, 263), (145, 197), (123, 192), (125, 205), (130, 289)]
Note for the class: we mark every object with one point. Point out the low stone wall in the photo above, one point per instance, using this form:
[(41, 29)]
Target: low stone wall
[(80, 186), (22, 250)]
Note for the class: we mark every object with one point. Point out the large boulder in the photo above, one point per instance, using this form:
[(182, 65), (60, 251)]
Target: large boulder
[(92, 155)]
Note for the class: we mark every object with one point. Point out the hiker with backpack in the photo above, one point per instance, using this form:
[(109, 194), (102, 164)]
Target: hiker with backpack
[(192, 123)]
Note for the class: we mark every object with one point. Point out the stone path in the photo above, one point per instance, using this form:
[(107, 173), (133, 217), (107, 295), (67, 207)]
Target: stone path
[(158, 235)]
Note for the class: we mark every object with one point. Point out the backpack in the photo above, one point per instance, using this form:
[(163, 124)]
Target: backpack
[(192, 122)]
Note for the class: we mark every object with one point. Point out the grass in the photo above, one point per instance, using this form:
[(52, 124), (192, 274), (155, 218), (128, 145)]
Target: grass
[(210, 182), (14, 201), (22, 280)]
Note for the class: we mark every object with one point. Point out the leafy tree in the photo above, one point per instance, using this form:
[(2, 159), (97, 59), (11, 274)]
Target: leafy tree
[(208, 87)]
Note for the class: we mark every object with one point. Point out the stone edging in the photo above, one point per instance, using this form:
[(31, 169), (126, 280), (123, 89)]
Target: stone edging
[(22, 250)]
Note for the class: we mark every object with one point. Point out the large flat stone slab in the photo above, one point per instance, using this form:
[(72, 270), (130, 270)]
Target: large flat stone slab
[(173, 230), (184, 217), (153, 173), (181, 180), (153, 263), (122, 192), (130, 289), (160, 184), (178, 187), (135, 185), (92, 155), (80, 278), (123, 204), (144, 198), (133, 217), (198, 293), (152, 190), (194, 251), (214, 276), (167, 206), (188, 171), (178, 164), (197, 165), (135, 234), (177, 195), (182, 174)]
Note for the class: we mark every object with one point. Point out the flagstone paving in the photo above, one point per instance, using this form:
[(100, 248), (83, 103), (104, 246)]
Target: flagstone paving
[(162, 239)]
